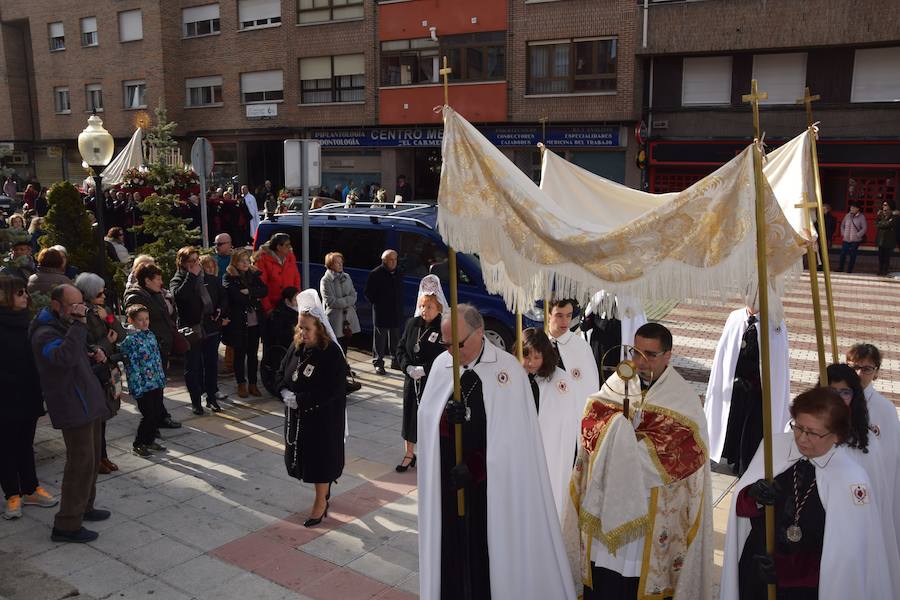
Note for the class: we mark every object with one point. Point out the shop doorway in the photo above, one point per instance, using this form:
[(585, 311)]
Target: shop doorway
[(265, 160), (427, 164)]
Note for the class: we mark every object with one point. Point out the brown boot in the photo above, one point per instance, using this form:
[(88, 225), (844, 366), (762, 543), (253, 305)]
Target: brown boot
[(254, 391), (242, 390), (228, 362)]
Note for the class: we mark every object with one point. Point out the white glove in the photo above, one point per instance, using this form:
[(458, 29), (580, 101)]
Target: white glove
[(289, 398), (415, 372)]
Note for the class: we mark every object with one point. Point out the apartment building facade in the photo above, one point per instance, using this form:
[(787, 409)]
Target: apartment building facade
[(360, 75), (700, 57)]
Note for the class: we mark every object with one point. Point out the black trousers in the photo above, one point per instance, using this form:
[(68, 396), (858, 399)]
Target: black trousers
[(609, 585), (246, 359), (201, 369), (151, 406), (17, 471), (384, 342), (884, 260)]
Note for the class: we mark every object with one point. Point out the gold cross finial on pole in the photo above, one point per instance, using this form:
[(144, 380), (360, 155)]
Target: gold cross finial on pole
[(807, 101), (807, 205), (753, 98), (445, 74)]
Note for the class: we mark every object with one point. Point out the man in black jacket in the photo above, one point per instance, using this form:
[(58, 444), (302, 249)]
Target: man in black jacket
[(76, 403), (384, 290)]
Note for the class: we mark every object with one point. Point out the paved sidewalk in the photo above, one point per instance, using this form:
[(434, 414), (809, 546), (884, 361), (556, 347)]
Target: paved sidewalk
[(216, 516)]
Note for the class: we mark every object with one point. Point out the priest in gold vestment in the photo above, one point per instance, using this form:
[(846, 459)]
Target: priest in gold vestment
[(638, 524)]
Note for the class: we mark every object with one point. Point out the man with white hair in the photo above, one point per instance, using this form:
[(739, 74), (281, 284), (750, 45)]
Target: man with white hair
[(508, 545), (384, 290)]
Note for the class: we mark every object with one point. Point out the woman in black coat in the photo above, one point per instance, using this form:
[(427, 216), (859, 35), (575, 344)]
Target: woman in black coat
[(311, 384), (202, 306), (245, 289), (416, 351), (22, 403)]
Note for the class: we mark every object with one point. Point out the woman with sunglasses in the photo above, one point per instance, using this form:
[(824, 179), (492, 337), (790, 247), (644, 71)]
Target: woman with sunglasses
[(22, 403), (104, 332), (825, 512)]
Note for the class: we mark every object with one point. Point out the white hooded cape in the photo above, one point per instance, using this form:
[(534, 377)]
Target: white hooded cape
[(721, 378), (579, 364), (629, 311), (253, 209), (853, 557), (559, 417), (883, 417), (528, 561)]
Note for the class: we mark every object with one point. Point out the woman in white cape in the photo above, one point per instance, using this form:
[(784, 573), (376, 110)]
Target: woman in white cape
[(829, 543), (559, 411)]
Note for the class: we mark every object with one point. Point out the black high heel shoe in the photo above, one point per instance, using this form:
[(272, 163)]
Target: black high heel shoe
[(213, 405), (313, 522), (401, 468)]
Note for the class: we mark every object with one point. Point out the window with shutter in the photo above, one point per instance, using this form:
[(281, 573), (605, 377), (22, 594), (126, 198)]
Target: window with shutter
[(89, 32), (203, 91), (706, 80), (57, 36), (200, 20), (259, 13), (876, 75), (131, 26), (262, 86), (782, 76)]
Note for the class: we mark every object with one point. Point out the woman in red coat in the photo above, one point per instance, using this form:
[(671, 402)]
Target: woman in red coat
[(277, 267)]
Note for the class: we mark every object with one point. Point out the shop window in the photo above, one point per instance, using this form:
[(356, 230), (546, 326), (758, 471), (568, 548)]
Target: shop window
[(706, 80), (781, 76), (89, 32), (572, 66), (200, 20), (204, 91), (135, 94), (327, 79), (322, 11), (61, 100), (131, 26), (57, 36), (409, 62), (663, 182), (262, 86), (253, 14), (876, 75), (93, 97)]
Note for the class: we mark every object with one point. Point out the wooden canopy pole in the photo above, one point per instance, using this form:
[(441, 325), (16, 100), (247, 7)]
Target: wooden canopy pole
[(543, 121), (814, 290), (454, 320), (824, 244), (763, 281)]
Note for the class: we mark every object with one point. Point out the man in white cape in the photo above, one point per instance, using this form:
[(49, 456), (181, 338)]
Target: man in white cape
[(853, 547), (639, 522), (515, 549), (575, 355), (605, 308), (252, 208), (733, 404), (865, 359)]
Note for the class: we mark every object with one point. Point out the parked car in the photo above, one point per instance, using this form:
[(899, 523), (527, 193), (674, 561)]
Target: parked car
[(362, 233)]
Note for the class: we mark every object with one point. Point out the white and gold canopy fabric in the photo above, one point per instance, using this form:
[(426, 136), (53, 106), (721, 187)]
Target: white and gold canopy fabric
[(696, 244)]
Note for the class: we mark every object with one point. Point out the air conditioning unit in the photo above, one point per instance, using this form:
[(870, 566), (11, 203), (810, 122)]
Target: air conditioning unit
[(17, 158)]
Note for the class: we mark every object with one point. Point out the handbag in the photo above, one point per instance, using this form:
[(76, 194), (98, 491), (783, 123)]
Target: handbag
[(192, 335), (346, 330), (180, 345)]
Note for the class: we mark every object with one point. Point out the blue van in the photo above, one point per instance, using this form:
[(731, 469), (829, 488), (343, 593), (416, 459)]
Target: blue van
[(363, 232)]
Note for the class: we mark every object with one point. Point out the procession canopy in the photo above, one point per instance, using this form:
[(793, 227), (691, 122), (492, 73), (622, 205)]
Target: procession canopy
[(131, 157), (697, 244)]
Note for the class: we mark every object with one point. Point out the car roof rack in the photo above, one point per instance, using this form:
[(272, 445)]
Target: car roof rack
[(392, 213)]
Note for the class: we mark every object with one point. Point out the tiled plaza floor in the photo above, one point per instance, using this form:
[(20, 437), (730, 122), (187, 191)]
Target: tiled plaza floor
[(217, 517)]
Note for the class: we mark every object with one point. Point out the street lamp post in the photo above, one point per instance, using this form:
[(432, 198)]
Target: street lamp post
[(96, 146)]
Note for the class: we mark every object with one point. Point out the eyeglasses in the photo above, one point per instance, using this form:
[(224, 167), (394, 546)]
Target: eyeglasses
[(845, 393), (101, 293), (634, 352), (798, 431), (863, 368), (447, 345)]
